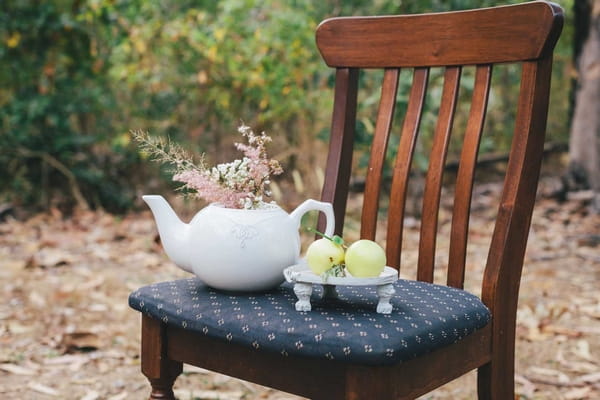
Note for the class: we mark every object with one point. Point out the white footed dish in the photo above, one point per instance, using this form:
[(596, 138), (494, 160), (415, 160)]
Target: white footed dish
[(304, 279)]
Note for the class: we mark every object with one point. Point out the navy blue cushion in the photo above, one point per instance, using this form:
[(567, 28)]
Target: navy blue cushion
[(425, 317)]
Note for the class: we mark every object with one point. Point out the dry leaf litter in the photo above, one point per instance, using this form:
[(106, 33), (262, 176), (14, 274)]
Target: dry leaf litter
[(66, 331)]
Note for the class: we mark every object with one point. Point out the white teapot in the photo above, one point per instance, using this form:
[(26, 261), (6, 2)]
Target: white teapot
[(234, 249)]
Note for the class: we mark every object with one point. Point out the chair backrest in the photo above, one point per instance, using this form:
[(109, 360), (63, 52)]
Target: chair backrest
[(524, 34)]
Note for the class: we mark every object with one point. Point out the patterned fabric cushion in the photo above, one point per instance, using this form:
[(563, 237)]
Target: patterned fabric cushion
[(425, 317)]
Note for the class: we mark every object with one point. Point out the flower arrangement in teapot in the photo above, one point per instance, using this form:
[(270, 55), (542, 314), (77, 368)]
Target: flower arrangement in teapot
[(242, 183), (238, 242)]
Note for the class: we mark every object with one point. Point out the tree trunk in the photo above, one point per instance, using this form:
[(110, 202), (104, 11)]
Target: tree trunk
[(584, 146)]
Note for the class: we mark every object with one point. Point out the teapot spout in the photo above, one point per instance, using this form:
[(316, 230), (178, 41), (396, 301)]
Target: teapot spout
[(174, 233)]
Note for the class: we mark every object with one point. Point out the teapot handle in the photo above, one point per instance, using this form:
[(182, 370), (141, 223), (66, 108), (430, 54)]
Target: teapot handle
[(310, 205)]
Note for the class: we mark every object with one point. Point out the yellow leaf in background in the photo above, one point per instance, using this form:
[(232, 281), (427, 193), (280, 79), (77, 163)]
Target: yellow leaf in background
[(122, 140), (255, 79), (13, 40), (298, 76), (263, 104), (140, 45), (126, 48), (219, 34), (143, 155), (285, 90), (224, 101), (211, 54)]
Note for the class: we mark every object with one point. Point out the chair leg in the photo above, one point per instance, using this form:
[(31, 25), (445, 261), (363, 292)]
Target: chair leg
[(156, 366), (162, 389), (496, 381)]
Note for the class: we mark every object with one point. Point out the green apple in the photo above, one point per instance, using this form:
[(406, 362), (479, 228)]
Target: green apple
[(365, 258), (323, 254)]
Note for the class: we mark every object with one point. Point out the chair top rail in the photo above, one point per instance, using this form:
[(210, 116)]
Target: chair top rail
[(483, 36)]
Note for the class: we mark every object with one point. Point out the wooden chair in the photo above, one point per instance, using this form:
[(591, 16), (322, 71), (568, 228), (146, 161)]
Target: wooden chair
[(524, 34)]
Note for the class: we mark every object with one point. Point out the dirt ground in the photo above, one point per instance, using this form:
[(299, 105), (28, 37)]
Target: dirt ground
[(66, 331)]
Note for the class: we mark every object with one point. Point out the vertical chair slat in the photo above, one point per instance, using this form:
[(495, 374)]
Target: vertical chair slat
[(385, 116), (465, 177), (406, 148), (339, 159), (433, 182)]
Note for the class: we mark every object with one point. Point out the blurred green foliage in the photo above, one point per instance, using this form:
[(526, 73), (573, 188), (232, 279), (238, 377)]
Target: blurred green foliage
[(76, 76)]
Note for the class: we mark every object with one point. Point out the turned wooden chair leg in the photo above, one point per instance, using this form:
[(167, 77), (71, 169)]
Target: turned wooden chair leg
[(162, 389), (156, 366)]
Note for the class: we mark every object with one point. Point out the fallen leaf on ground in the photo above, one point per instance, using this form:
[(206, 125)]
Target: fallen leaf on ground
[(38, 387), (16, 369), (575, 366), (80, 341), (120, 396), (66, 359), (559, 330), (91, 395), (558, 307), (578, 393), (560, 376), (589, 378), (49, 257), (527, 388), (582, 349)]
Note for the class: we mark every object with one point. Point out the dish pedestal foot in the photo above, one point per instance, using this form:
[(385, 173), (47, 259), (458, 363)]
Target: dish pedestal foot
[(385, 293), (304, 279), (303, 292)]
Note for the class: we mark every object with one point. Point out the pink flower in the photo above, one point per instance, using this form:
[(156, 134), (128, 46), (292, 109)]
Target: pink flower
[(209, 189), (237, 184)]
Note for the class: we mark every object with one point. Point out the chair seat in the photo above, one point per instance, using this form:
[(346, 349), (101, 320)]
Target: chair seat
[(425, 317)]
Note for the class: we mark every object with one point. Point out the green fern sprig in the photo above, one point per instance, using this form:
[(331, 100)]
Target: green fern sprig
[(168, 152)]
